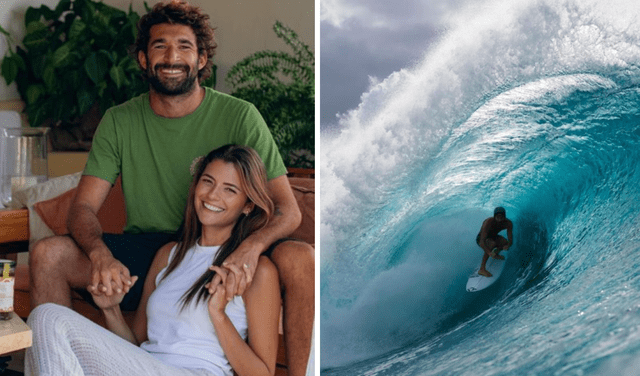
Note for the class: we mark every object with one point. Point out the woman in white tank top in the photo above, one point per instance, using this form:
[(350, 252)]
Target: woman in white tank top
[(186, 323)]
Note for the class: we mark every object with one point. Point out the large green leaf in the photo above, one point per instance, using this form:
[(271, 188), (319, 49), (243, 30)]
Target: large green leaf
[(9, 68), (78, 27), (36, 36), (96, 66), (100, 25), (49, 77), (34, 92), (12, 64), (61, 55), (133, 20), (36, 27), (37, 114), (118, 76), (87, 11), (128, 64)]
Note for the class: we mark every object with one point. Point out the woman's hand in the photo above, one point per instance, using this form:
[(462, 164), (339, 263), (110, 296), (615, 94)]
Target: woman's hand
[(104, 301), (255, 355), (242, 265), (218, 298)]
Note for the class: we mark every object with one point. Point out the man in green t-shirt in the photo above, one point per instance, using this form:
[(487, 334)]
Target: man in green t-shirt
[(151, 142)]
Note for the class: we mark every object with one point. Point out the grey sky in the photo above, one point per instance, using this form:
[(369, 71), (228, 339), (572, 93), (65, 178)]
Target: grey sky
[(363, 38)]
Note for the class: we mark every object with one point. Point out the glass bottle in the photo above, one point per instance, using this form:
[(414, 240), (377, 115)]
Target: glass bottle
[(7, 280)]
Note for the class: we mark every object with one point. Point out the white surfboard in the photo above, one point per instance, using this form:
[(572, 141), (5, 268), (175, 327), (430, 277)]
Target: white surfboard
[(478, 282)]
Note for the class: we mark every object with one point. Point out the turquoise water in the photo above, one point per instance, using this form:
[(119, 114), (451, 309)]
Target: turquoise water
[(534, 107)]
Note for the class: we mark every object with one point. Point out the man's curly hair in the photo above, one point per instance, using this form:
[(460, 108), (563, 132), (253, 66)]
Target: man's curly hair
[(179, 12)]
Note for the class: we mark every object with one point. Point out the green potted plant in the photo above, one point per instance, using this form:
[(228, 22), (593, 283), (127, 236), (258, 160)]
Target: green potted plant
[(282, 86), (74, 63)]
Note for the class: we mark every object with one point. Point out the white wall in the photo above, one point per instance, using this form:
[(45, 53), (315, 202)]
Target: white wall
[(242, 27)]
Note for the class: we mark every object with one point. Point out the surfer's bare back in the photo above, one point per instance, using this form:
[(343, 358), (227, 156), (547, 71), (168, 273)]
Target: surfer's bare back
[(489, 240)]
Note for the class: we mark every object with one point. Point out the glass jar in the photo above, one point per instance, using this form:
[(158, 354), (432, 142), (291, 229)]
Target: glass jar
[(7, 281), (23, 162)]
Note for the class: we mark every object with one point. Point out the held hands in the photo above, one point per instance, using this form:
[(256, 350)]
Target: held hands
[(109, 276), (239, 269), (218, 294), (104, 301)]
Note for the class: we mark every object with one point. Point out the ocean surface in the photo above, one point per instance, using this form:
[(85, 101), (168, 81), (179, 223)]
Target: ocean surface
[(530, 105)]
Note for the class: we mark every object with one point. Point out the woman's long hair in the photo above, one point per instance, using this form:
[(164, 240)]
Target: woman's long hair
[(253, 182)]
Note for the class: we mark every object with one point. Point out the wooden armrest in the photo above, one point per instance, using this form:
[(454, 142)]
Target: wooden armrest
[(14, 225), (294, 172)]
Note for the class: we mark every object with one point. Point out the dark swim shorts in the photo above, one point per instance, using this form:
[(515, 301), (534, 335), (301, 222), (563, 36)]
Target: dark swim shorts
[(495, 239), (136, 252)]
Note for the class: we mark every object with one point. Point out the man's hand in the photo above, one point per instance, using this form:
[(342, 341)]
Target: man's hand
[(104, 301), (109, 275), (240, 267)]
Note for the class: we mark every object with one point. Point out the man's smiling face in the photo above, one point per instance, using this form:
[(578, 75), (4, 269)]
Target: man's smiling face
[(172, 61)]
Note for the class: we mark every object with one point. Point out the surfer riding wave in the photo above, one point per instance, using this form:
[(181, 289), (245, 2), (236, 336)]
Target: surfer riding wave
[(489, 240)]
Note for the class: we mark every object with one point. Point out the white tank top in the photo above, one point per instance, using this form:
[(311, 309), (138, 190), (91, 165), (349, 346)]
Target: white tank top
[(187, 339)]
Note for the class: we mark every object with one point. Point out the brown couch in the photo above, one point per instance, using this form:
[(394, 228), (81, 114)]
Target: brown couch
[(112, 217)]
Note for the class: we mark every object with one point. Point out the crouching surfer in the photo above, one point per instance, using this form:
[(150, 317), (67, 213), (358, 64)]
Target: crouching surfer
[(489, 240)]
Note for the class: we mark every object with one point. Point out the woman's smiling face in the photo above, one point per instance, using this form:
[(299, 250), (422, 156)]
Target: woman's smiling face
[(219, 198)]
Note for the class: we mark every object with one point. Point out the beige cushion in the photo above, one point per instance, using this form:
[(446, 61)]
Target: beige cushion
[(41, 192), (112, 215)]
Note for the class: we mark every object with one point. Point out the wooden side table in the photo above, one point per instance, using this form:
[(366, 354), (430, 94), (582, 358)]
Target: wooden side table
[(14, 225), (14, 232), (14, 335)]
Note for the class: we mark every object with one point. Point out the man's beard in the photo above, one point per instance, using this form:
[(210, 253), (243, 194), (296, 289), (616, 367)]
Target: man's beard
[(171, 87)]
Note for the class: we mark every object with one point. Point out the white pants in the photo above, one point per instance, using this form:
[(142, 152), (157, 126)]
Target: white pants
[(311, 370), (67, 343)]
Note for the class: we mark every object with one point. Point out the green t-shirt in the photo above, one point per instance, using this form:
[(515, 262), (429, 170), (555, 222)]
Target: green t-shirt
[(154, 154)]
